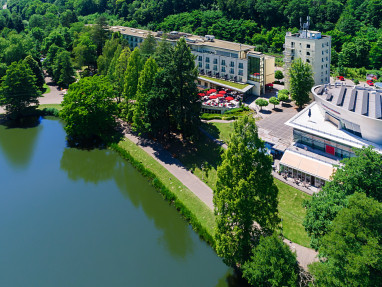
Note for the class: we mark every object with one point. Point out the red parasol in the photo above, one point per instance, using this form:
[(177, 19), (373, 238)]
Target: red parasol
[(209, 92), (213, 97), (229, 98), (212, 90), (222, 92), (201, 94)]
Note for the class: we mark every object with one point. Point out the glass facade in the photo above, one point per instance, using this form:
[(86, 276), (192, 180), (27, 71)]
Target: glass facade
[(254, 69), (322, 144)]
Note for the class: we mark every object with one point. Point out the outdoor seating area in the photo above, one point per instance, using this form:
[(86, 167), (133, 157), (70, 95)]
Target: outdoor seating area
[(220, 101)]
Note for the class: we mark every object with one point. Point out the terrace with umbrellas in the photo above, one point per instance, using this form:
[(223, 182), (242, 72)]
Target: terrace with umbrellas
[(220, 101)]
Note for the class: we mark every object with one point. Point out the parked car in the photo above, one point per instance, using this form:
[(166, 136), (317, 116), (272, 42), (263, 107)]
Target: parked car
[(341, 78), (370, 82)]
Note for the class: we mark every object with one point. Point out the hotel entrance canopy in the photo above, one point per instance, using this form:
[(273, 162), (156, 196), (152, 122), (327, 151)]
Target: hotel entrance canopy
[(307, 165)]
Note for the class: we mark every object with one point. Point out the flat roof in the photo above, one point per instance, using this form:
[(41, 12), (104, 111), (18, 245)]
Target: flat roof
[(307, 165), (192, 39), (243, 90), (317, 125)]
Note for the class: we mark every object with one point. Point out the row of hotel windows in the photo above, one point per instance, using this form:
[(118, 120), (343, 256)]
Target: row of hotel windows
[(308, 45), (215, 61), (223, 69)]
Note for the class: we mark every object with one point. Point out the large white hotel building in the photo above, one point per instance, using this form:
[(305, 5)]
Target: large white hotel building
[(220, 63)]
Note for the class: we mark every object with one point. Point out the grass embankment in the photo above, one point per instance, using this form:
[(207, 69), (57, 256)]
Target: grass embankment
[(50, 106), (47, 89), (227, 83), (290, 199), (191, 207)]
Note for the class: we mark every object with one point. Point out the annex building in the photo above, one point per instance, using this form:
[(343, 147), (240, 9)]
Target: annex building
[(220, 63), (341, 118), (311, 47)]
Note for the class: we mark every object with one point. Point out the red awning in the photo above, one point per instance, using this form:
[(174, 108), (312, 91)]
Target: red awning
[(229, 98), (222, 92)]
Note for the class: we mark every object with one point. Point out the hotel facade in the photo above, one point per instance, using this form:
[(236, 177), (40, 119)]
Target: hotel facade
[(220, 63)]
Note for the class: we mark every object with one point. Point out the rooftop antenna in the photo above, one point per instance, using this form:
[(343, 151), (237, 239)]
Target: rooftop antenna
[(301, 28), (307, 22)]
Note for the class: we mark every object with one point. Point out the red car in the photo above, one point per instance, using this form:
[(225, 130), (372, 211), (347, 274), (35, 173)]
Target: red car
[(341, 78), (370, 82)]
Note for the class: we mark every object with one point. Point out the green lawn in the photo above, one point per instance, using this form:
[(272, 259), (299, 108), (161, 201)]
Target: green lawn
[(292, 213), (221, 131), (192, 202), (290, 199), (47, 89), (47, 106), (228, 83)]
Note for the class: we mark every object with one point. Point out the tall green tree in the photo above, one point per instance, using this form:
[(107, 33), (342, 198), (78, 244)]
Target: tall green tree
[(133, 70), (145, 86), (88, 110), (104, 60), (18, 89), (85, 51), (361, 173), (272, 264), (148, 46), (245, 198), (120, 70), (186, 108), (100, 33), (301, 81), (36, 70), (63, 71), (351, 253)]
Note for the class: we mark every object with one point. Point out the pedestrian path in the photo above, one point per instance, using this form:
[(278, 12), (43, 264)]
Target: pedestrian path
[(305, 256)]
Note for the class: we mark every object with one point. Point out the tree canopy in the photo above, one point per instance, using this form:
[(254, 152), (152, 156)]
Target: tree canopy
[(18, 89), (245, 198), (351, 252), (361, 173), (301, 81), (88, 110)]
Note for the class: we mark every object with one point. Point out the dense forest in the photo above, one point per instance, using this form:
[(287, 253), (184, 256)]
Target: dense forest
[(355, 25)]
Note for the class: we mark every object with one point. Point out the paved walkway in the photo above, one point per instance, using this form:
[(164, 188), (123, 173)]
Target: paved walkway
[(305, 255)]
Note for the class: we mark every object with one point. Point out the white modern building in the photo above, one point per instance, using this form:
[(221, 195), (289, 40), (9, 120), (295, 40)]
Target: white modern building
[(220, 63), (341, 118), (311, 47)]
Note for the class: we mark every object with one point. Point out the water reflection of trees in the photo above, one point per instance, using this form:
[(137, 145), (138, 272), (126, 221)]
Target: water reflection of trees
[(100, 165), (18, 140)]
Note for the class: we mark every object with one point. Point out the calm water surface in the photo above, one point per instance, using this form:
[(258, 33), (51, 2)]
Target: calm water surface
[(71, 217)]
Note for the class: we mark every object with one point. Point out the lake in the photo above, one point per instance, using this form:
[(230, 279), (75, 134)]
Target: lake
[(72, 217)]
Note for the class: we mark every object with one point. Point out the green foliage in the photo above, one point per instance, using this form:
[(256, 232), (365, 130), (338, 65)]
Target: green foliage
[(85, 51), (245, 193), (145, 85), (361, 173), (283, 95), (261, 103), (133, 70), (36, 70), (148, 46), (352, 250), (88, 110), (18, 89), (274, 101), (63, 72), (279, 75), (301, 81), (272, 264), (104, 60)]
